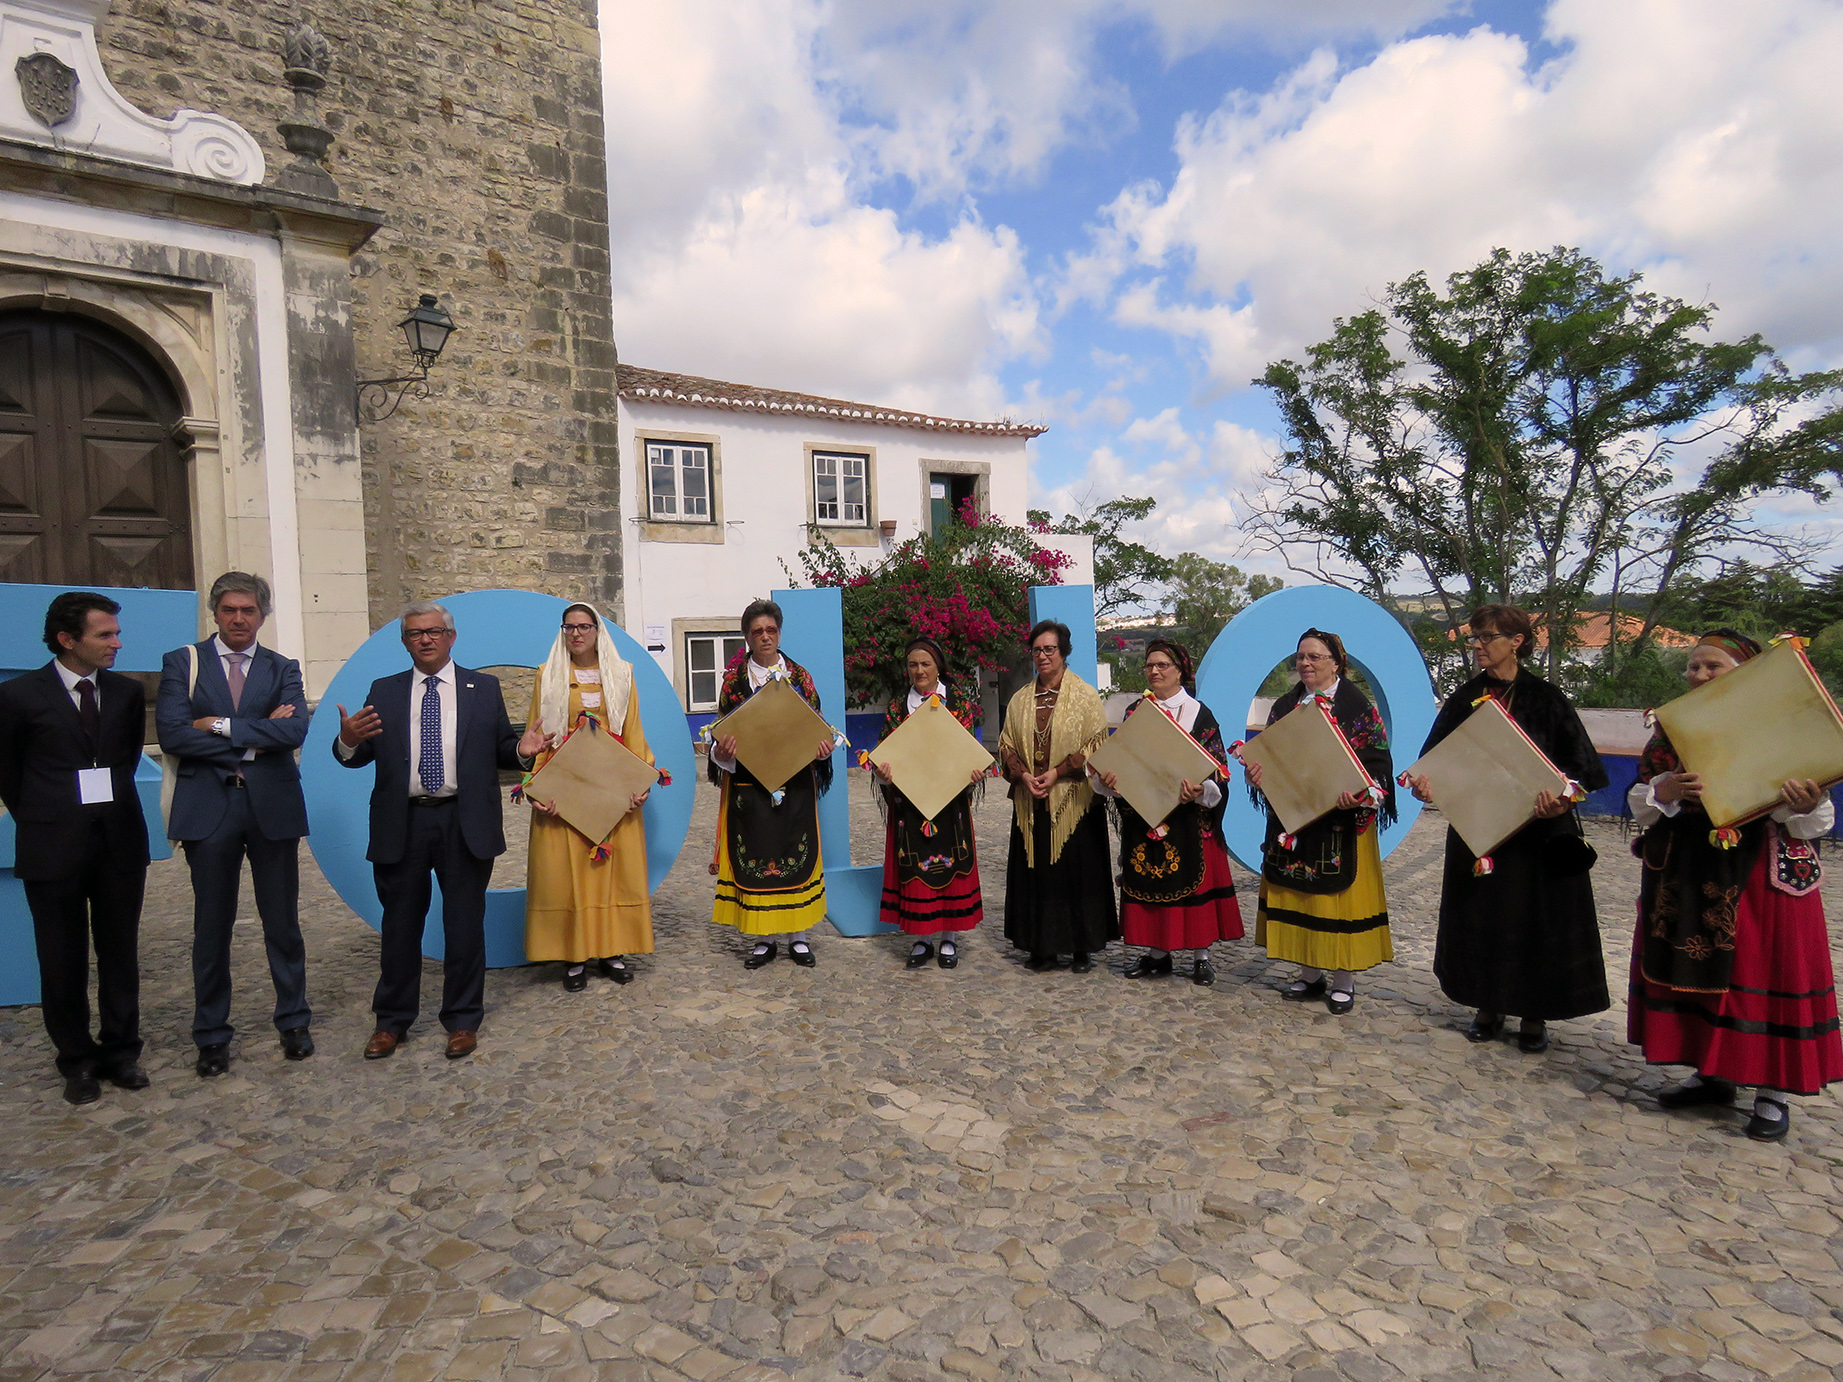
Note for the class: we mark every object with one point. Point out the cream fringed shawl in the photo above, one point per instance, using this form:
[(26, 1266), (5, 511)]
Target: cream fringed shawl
[(1078, 724), (554, 684)]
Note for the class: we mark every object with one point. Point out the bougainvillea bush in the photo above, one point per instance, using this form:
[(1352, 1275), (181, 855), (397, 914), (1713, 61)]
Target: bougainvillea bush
[(967, 587)]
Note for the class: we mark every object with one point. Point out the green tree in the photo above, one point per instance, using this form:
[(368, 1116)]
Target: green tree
[(1126, 573), (1204, 595), (1514, 436)]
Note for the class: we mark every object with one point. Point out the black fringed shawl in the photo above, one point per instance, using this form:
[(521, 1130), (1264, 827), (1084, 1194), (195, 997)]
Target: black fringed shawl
[(1323, 857), (736, 690)]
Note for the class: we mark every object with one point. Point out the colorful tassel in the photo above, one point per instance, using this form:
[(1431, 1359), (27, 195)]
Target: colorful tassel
[(1575, 792), (928, 830), (1482, 699), (1289, 841), (1401, 778), (778, 797), (1482, 868), (518, 793), (665, 778), (864, 759), (601, 853), (1236, 748), (1158, 832), (1725, 838)]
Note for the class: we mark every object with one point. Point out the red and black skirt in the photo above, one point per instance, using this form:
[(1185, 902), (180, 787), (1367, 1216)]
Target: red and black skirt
[(1176, 891), (931, 868)]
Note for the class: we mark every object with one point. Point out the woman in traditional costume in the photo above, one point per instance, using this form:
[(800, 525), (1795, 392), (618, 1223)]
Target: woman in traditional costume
[(1731, 964), (1518, 932), (930, 867), (1059, 879), (1322, 904), (1176, 892), (586, 901), (770, 877)]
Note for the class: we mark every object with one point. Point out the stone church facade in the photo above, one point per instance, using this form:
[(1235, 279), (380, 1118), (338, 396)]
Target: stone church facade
[(211, 223)]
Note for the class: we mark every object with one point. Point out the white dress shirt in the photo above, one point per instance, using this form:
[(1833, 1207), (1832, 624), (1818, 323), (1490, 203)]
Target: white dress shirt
[(225, 653), (70, 680), (445, 689)]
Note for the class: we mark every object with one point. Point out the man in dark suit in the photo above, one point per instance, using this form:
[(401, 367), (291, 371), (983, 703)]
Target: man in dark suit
[(439, 735), (232, 712), (70, 740)]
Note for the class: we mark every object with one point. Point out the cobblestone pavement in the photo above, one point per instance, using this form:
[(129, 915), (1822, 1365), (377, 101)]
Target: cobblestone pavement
[(858, 1171)]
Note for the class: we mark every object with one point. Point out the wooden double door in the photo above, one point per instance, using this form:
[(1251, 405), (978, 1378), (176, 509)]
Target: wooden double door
[(93, 485)]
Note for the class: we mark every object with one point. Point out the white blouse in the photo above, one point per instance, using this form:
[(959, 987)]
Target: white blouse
[(1647, 810)]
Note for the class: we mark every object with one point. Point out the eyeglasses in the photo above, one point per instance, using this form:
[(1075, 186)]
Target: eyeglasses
[(1161, 666), (1478, 640), (1313, 657), (1050, 650), (579, 628), (427, 635)]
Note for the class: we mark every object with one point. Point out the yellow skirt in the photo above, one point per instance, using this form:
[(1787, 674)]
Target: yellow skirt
[(581, 908), (1347, 930), (763, 913)]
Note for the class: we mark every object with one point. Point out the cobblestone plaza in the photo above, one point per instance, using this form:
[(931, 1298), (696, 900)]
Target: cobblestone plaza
[(859, 1171)]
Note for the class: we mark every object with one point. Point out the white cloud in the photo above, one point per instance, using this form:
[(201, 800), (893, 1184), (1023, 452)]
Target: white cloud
[(1696, 140)]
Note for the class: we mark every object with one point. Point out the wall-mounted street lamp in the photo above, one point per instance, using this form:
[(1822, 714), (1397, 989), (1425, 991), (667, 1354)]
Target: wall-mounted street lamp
[(426, 329)]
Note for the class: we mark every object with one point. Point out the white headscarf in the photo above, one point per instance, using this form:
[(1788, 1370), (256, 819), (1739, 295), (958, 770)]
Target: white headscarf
[(554, 681)]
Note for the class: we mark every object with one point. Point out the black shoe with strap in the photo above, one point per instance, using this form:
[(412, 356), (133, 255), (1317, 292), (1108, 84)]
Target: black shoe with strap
[(1303, 991), (1533, 1038), (950, 955), (761, 955), (1704, 1093), (575, 980), (1081, 964), (615, 968), (802, 954), (1149, 966), (1203, 972), (920, 955), (1769, 1129), (1485, 1026)]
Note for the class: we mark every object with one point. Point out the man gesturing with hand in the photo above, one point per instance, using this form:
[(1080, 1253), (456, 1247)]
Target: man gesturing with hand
[(438, 735)]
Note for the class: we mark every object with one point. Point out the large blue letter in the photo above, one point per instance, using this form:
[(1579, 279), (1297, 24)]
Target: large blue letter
[(497, 628), (1267, 632)]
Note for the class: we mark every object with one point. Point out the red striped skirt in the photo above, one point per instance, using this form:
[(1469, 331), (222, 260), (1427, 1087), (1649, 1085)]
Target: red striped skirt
[(1776, 1025), (1208, 915), (921, 910)]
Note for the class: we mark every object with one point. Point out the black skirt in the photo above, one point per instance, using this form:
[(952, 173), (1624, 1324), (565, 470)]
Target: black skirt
[(1523, 940), (1065, 907)]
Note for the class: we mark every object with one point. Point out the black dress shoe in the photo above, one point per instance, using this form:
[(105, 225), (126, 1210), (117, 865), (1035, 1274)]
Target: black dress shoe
[(920, 955), (1485, 1027), (81, 1088), (1040, 963), (297, 1043), (1707, 1092), (575, 982), (1769, 1129), (1533, 1040), (1203, 972), (801, 954), (1338, 1002), (1081, 964), (950, 955), (1149, 967), (1301, 991), (128, 1076), (615, 970), (761, 956), (213, 1060)]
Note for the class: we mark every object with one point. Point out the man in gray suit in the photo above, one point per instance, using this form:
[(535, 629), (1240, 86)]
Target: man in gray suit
[(233, 712)]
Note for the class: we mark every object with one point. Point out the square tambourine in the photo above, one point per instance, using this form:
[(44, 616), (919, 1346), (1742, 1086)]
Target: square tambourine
[(776, 731), (592, 779), (1748, 732), (1306, 765), (1485, 777), (931, 758), (1151, 757)]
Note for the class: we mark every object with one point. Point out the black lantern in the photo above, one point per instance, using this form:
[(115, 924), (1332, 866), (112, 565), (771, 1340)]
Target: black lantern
[(426, 331)]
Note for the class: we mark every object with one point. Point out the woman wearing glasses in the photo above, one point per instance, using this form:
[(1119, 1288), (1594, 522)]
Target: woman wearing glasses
[(1059, 879), (1731, 969), (1322, 904), (1518, 933), (1176, 892), (930, 867), (586, 900)]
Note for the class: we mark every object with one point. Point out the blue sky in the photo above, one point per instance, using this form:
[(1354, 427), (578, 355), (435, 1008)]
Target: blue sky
[(1108, 215)]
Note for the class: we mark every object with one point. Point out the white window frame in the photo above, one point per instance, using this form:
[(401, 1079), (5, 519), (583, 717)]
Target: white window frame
[(655, 447), (723, 653), (845, 514)]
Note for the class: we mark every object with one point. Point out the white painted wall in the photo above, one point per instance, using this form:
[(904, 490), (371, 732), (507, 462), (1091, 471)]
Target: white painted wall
[(764, 497)]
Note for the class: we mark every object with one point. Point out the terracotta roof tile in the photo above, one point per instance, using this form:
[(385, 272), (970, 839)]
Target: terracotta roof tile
[(688, 390)]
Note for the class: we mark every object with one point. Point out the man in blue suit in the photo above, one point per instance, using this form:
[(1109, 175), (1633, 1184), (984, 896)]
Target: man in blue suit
[(232, 712), (439, 735)]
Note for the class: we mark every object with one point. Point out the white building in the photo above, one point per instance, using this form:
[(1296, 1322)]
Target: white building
[(726, 479)]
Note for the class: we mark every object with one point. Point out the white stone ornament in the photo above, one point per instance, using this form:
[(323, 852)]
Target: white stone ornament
[(59, 96)]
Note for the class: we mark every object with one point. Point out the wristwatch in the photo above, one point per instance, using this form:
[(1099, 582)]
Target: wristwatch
[(221, 725)]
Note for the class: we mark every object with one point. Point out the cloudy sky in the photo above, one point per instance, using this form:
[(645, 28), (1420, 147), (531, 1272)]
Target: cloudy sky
[(1108, 215)]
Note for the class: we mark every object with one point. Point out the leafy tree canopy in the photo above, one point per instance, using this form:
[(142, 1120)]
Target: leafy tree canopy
[(1127, 574)]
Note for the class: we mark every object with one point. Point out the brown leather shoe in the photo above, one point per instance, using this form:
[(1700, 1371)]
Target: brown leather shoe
[(461, 1044), (382, 1044)]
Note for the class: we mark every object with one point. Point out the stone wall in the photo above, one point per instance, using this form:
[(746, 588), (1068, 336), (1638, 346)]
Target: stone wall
[(475, 127)]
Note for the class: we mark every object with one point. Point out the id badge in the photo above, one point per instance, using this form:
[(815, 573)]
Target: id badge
[(95, 786)]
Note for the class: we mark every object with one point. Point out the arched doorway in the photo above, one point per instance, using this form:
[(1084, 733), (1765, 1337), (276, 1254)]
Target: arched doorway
[(93, 487)]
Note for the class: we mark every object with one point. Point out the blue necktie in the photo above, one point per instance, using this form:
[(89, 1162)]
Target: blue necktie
[(429, 762)]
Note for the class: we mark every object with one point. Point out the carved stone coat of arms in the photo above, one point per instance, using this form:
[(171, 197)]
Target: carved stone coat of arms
[(48, 86)]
